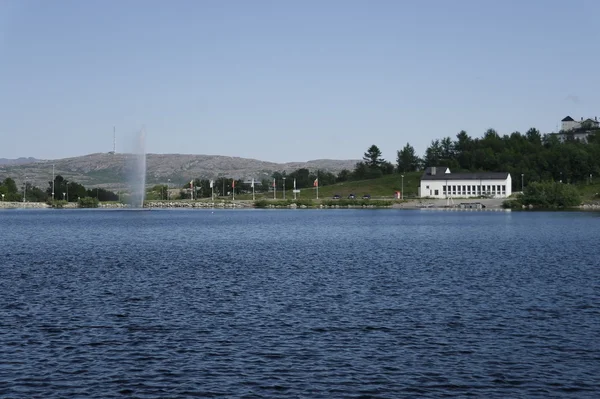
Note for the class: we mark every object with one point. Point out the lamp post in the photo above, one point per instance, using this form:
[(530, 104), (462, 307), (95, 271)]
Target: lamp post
[(64, 196), (560, 177), (402, 192), (522, 185), (67, 184), (2, 197), (25, 189), (168, 189), (284, 188), (52, 182)]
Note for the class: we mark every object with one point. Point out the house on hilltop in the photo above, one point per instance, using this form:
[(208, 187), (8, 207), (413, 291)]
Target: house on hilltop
[(578, 130), (569, 123), (440, 182)]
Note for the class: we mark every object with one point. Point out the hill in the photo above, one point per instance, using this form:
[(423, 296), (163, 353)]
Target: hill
[(111, 170), (18, 161)]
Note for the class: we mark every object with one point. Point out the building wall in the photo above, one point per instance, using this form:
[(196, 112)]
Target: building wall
[(466, 188), (583, 137), (570, 125)]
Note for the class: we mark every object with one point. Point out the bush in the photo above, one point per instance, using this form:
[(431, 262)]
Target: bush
[(263, 203), (550, 195), (358, 202), (57, 203), (512, 204), (88, 202)]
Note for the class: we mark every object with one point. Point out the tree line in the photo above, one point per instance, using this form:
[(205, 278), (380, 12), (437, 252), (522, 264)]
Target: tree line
[(63, 190), (532, 156)]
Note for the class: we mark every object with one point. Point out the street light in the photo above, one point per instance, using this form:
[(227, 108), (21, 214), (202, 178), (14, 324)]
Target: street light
[(64, 196), (522, 185), (2, 197), (402, 189), (284, 188)]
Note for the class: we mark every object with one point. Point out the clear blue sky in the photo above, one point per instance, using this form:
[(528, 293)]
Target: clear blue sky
[(289, 80)]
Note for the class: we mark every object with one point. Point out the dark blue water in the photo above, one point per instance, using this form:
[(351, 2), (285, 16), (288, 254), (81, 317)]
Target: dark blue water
[(299, 304)]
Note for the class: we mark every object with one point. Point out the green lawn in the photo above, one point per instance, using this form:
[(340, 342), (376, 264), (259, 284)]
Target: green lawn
[(589, 192), (384, 187)]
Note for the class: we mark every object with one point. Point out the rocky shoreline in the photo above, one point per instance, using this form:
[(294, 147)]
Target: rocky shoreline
[(249, 204), (28, 205)]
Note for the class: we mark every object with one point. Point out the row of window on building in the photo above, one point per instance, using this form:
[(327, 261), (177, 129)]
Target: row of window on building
[(475, 190)]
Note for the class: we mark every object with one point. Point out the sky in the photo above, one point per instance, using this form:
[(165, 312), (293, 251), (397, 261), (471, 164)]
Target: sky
[(288, 81)]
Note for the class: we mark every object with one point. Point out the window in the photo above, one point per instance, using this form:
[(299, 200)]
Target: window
[(437, 192), (503, 189), (444, 189), (498, 188), (427, 187)]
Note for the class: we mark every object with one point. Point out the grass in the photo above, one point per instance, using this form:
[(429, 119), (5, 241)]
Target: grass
[(382, 188), (589, 192)]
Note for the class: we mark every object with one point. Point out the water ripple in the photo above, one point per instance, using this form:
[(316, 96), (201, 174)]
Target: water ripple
[(319, 304)]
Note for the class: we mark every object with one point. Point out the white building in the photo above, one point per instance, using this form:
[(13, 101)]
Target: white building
[(439, 182), (569, 123)]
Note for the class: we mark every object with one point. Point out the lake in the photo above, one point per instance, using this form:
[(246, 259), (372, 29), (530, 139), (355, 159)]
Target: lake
[(299, 304)]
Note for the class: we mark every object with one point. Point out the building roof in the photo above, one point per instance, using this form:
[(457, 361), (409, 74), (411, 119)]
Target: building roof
[(436, 170), (440, 174), (568, 119)]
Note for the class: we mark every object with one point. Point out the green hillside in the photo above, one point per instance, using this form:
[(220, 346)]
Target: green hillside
[(383, 187)]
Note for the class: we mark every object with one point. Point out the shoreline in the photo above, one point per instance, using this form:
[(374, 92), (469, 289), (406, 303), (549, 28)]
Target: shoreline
[(459, 205)]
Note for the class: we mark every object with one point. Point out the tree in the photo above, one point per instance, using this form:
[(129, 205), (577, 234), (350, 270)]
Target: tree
[(407, 160), (9, 189), (533, 136), (10, 185), (372, 157), (447, 149), (433, 153), (302, 177), (344, 175)]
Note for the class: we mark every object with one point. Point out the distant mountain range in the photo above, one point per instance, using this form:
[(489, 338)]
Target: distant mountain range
[(111, 170), (18, 161)]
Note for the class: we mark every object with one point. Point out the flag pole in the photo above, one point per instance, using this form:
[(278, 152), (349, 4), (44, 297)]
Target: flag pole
[(317, 184), (294, 188), (274, 189), (252, 189), (233, 189)]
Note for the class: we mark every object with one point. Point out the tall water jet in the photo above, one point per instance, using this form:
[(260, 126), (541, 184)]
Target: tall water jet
[(137, 175)]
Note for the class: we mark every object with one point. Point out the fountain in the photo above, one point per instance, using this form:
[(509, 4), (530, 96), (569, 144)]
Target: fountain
[(137, 171)]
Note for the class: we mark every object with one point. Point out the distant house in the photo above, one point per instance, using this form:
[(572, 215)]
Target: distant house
[(440, 182), (579, 130), (569, 123)]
